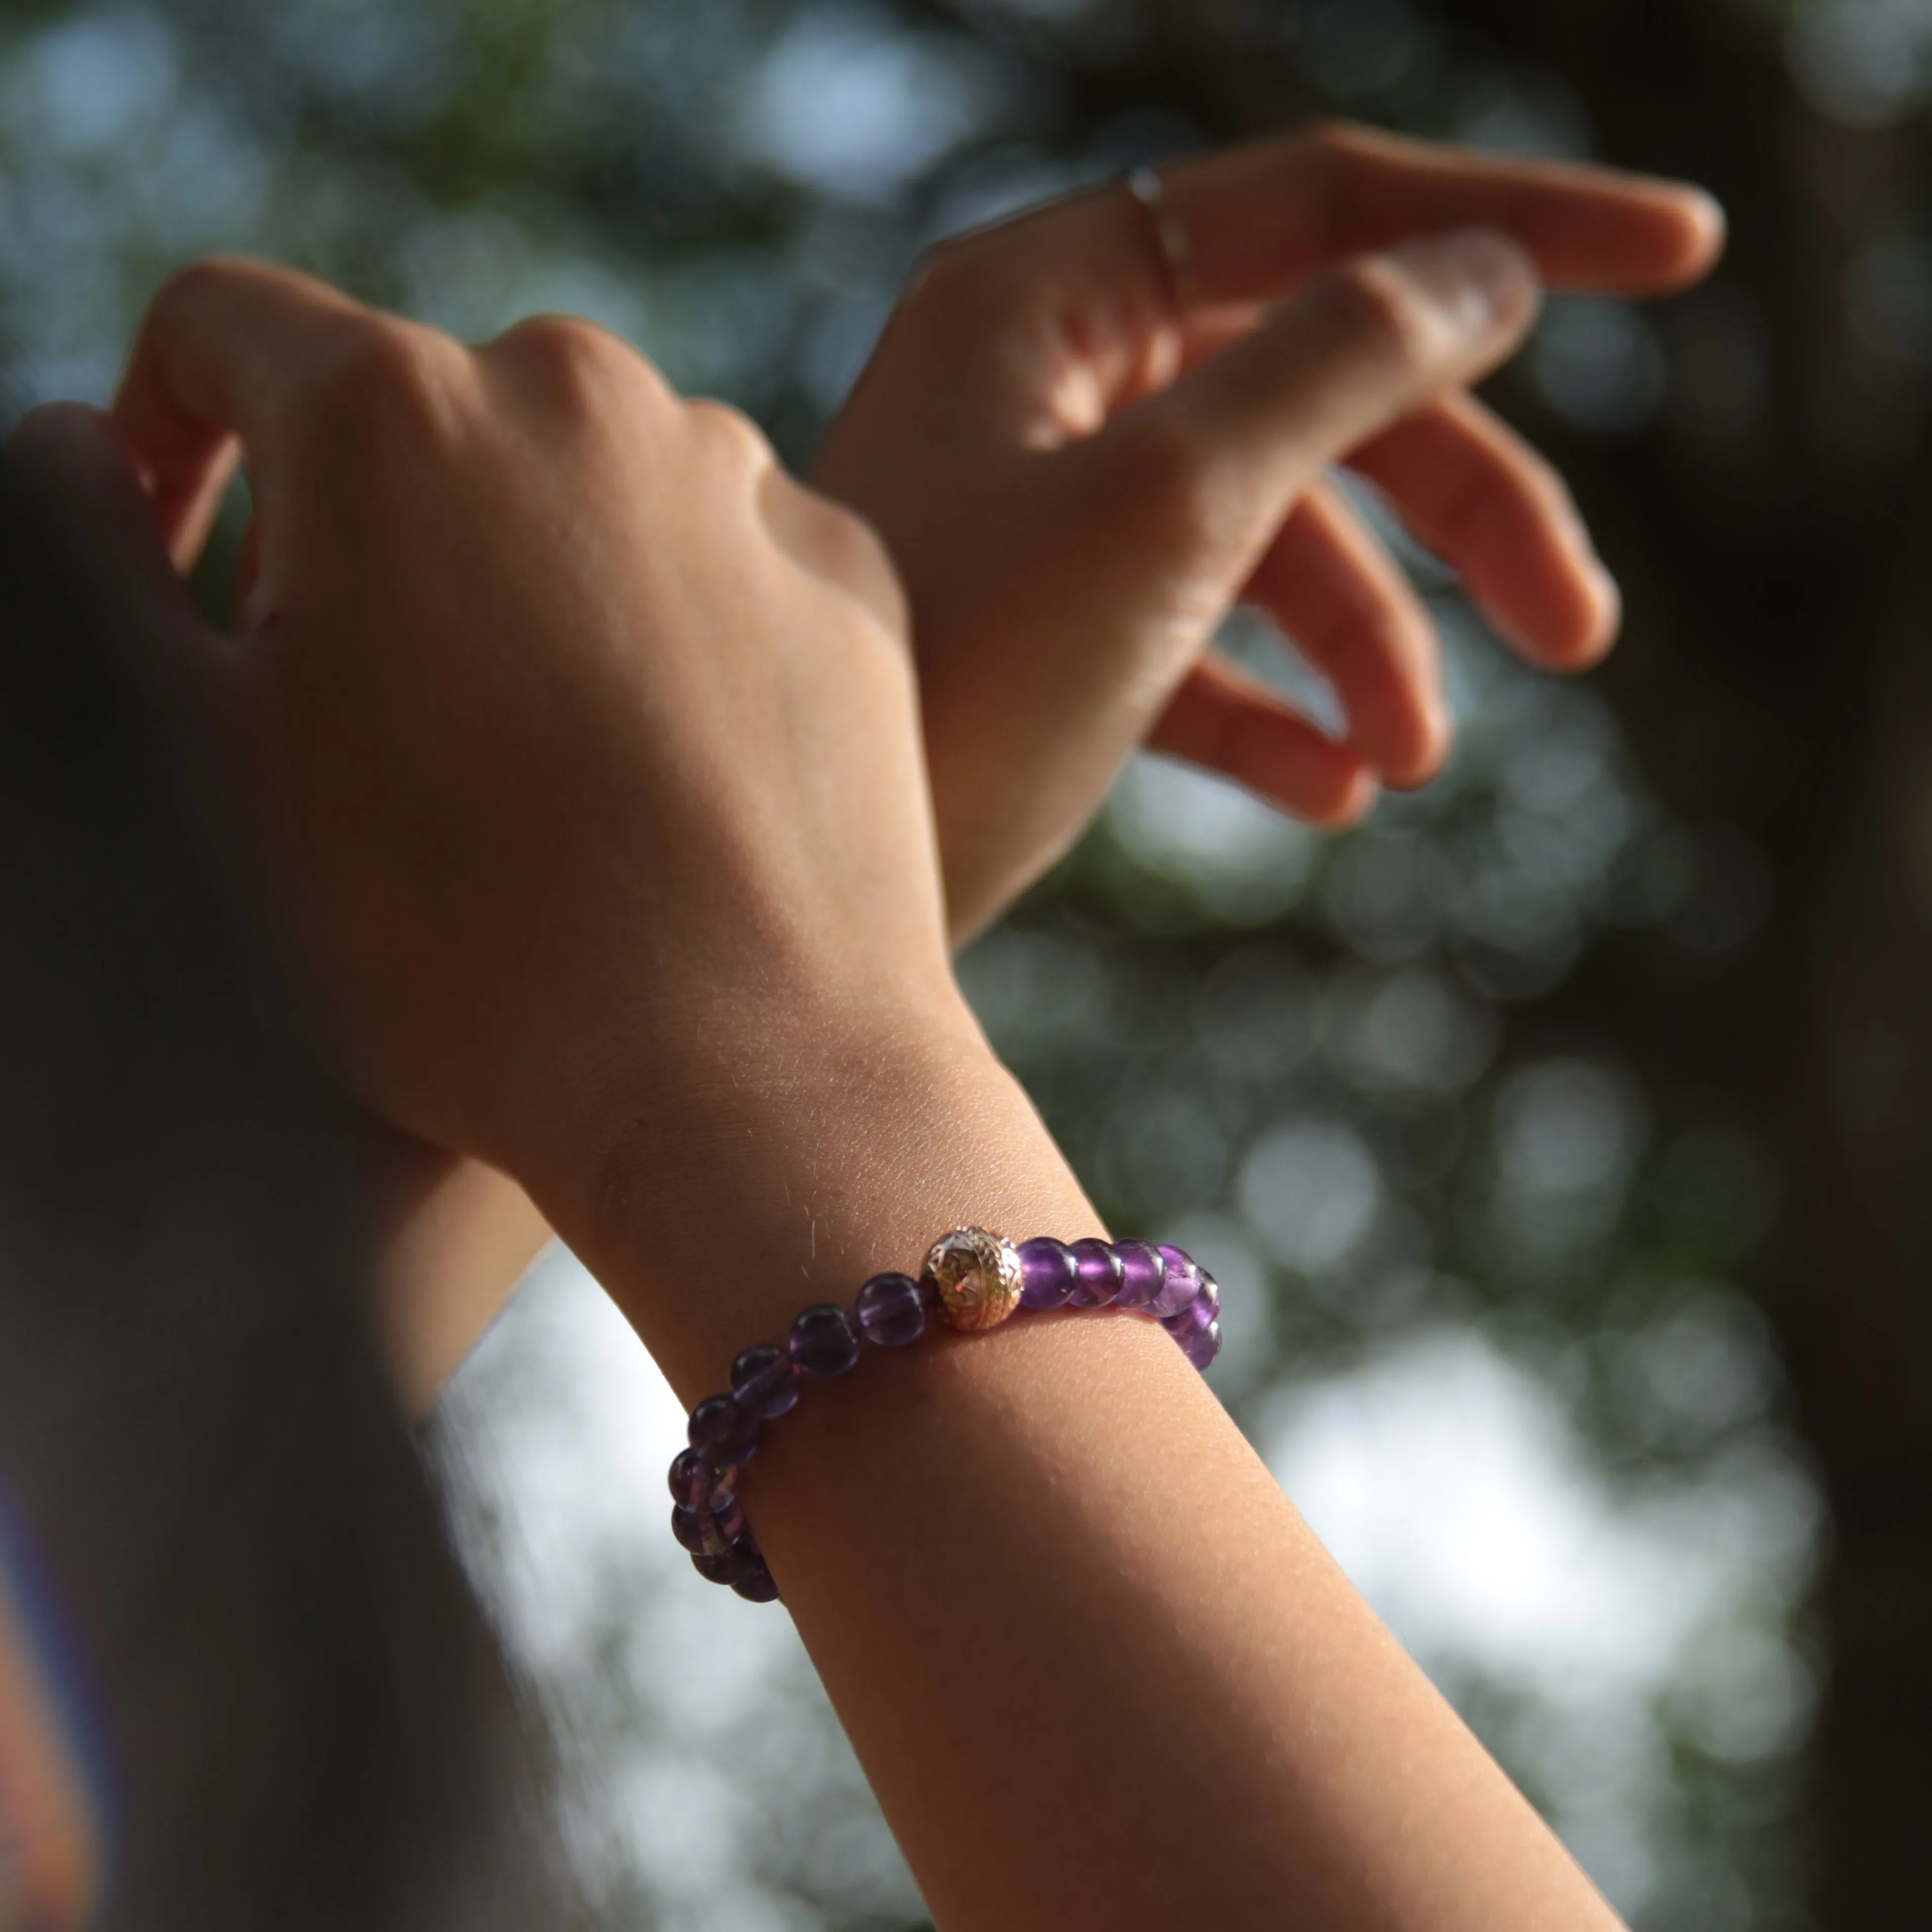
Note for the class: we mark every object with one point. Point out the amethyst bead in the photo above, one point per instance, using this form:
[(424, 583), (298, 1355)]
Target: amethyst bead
[(1204, 1308), (1100, 1271), (1179, 1288), (824, 1340), (764, 1380), (1142, 1274), (704, 1533), (696, 1485), (1048, 1273), (726, 1565), (891, 1308), (1203, 1344), (756, 1586), (721, 1432), (1190, 1321)]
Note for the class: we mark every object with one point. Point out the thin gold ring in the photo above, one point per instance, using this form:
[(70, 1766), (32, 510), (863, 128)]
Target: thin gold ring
[(1170, 234)]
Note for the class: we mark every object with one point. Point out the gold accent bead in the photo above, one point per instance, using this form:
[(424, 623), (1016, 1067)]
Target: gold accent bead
[(977, 1276)]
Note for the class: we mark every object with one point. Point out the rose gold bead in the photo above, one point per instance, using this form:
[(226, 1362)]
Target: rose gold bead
[(977, 1277)]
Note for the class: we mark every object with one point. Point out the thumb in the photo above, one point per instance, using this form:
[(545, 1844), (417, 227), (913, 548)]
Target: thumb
[(1203, 472)]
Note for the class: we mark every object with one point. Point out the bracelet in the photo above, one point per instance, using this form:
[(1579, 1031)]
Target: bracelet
[(971, 1280)]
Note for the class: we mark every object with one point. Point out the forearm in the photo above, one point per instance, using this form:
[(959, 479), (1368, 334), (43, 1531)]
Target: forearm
[(1098, 1670), (453, 1237)]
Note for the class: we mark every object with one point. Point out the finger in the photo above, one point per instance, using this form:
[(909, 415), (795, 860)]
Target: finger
[(1222, 720), (1209, 331), (187, 501), (1262, 217), (1341, 598), (1471, 489), (219, 344), (1190, 484)]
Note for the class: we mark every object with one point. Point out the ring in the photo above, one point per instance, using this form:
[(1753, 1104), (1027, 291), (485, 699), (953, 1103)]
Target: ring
[(1170, 232)]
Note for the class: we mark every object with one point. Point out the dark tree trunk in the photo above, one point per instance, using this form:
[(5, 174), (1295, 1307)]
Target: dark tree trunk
[(1778, 674), (1781, 675)]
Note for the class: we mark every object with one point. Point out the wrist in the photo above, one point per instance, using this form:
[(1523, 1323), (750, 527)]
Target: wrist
[(804, 1155)]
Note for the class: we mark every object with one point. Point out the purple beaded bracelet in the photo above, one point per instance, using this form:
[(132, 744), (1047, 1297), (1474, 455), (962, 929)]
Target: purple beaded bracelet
[(970, 1280)]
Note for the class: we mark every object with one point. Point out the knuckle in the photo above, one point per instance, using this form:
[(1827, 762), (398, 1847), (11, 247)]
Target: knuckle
[(573, 361), (384, 373), (1158, 465), (1370, 300), (869, 573), (858, 554), (1332, 162), (190, 287), (1328, 157), (1334, 139), (729, 434), (836, 544), (575, 368), (377, 385)]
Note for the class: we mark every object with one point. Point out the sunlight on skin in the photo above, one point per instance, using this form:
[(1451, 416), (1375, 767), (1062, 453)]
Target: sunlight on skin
[(1449, 1478)]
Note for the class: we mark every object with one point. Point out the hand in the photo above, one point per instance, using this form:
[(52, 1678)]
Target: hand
[(932, 442), (565, 804), (574, 738), (1077, 483)]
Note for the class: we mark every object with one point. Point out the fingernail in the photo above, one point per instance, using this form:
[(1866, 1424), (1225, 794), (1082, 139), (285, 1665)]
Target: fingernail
[(1442, 732), (1709, 229), (1353, 804), (1710, 214), (1477, 278), (1609, 610)]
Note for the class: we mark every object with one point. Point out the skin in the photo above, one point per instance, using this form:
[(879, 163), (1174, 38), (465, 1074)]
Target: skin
[(1077, 484), (623, 877), (624, 880)]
